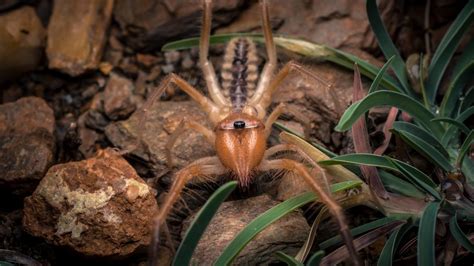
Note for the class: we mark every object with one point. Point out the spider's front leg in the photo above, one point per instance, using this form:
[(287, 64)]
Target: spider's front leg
[(183, 125), (201, 169), (334, 208)]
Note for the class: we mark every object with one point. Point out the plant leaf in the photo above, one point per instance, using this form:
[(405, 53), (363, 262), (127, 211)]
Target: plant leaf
[(340, 254), (386, 44), (270, 216), (460, 76), (413, 175), (392, 115), (386, 256), (446, 49), (200, 223), (465, 148), (426, 235), (336, 240), (316, 258), (467, 100), (414, 137), (400, 186), (401, 101), (451, 132), (287, 259), (375, 83), (453, 122), (459, 235), (306, 248)]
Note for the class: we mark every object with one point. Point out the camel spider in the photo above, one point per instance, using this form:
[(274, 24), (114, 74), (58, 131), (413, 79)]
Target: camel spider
[(241, 125)]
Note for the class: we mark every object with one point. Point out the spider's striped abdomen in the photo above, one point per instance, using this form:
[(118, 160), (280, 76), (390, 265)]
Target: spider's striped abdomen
[(239, 72)]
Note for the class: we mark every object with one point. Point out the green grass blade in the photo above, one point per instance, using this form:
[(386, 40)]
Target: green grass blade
[(400, 186), (200, 223), (386, 44), (422, 134), (462, 73), (316, 258), (390, 98), (386, 256), (289, 260), (453, 122), (459, 235), (375, 83), (336, 240), (425, 148), (417, 177), (467, 101), (270, 216), (465, 148), (446, 49), (451, 132), (426, 235), (413, 175)]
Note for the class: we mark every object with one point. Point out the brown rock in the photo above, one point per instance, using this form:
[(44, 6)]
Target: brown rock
[(98, 207), (154, 22), (118, 100), (76, 47), (26, 144), (287, 234), (162, 119), (22, 39)]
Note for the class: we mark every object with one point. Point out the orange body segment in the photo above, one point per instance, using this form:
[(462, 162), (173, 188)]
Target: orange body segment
[(241, 144)]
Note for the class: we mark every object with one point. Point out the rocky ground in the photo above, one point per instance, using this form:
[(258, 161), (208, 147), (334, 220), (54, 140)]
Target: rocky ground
[(73, 77)]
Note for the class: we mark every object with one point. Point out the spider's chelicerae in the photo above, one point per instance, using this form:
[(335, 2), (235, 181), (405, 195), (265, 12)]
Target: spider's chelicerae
[(241, 126)]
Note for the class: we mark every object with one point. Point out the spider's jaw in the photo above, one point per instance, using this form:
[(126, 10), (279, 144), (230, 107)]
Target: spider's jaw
[(240, 145)]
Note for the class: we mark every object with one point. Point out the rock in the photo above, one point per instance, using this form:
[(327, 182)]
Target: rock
[(27, 144), (336, 23), (162, 119), (146, 27), (22, 39), (118, 100), (76, 47), (320, 102), (287, 234), (97, 207)]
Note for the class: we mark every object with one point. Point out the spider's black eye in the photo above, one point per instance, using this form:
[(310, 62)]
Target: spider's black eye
[(239, 124)]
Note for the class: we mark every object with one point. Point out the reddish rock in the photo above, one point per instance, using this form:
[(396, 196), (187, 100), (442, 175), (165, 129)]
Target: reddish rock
[(97, 207), (118, 97), (27, 144), (22, 38), (286, 234), (75, 47)]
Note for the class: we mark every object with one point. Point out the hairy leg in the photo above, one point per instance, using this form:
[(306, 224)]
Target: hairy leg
[(283, 108), (270, 65), (205, 167), (262, 100), (334, 208), (186, 124), (206, 66)]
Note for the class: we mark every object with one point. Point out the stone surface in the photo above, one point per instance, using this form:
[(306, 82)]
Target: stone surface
[(27, 144), (287, 234), (320, 102), (75, 47), (154, 22), (118, 97), (22, 40), (97, 207), (161, 120), (336, 23)]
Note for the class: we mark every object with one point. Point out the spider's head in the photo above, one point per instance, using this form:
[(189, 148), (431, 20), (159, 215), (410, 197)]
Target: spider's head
[(240, 144)]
